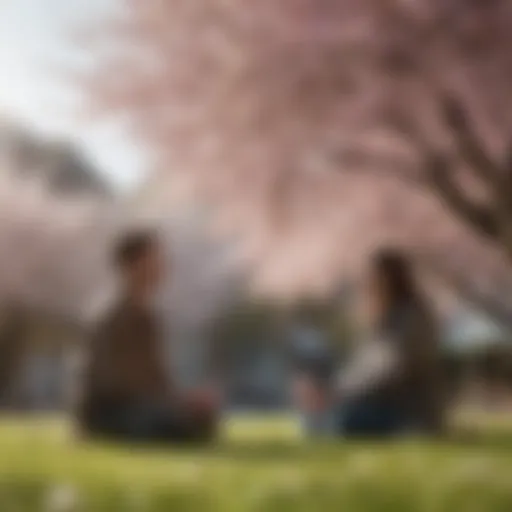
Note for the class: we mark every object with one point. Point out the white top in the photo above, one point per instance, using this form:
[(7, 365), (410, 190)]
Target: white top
[(372, 364)]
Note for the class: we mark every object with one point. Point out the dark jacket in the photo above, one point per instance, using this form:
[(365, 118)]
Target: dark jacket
[(413, 381), (124, 364), (418, 383)]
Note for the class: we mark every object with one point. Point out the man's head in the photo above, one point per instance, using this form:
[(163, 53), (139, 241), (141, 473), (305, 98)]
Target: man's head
[(138, 257)]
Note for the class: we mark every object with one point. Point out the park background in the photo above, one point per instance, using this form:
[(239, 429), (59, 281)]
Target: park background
[(273, 147)]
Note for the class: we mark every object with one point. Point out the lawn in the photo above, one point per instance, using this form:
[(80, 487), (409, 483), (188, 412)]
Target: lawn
[(259, 465)]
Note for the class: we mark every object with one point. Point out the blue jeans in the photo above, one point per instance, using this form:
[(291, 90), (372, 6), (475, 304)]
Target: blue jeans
[(369, 417), (318, 424)]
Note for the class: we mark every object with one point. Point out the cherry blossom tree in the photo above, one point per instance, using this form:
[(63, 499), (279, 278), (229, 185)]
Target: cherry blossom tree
[(318, 129), (52, 249)]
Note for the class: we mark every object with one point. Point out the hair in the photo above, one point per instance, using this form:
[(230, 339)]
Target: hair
[(132, 246), (396, 270)]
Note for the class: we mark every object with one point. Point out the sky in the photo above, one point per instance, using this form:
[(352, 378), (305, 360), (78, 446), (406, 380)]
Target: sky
[(36, 43)]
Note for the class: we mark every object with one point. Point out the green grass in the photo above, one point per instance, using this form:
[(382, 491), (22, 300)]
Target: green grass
[(258, 465)]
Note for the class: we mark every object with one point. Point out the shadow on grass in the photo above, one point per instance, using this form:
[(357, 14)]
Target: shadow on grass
[(496, 443), (248, 451)]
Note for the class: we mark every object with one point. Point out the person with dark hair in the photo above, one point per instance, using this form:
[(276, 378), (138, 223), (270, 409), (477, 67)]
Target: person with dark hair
[(127, 393), (394, 383)]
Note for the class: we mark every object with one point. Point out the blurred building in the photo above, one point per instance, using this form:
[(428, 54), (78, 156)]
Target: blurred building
[(478, 350), (469, 331), (59, 163)]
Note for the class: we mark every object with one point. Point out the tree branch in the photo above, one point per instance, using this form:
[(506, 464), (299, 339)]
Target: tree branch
[(506, 173), (468, 143), (439, 173), (438, 177), (503, 198)]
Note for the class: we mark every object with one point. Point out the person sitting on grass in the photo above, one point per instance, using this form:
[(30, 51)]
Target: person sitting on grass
[(394, 384), (127, 394)]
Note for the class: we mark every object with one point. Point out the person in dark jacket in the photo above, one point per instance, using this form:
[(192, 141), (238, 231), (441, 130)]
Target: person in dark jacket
[(126, 392)]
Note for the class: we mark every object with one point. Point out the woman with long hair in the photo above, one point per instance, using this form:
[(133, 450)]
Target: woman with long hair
[(394, 383)]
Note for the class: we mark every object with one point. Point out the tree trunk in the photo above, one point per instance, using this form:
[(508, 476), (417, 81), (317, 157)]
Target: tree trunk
[(11, 352)]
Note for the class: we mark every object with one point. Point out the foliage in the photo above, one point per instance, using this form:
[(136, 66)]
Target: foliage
[(270, 321), (248, 320), (52, 255), (258, 106)]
